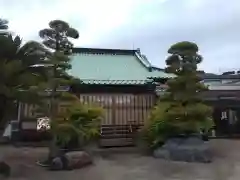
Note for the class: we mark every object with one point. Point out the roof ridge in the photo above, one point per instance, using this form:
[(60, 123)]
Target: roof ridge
[(143, 59), (114, 79), (104, 51)]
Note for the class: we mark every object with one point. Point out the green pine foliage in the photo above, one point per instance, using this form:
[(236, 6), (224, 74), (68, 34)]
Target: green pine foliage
[(3, 24), (3, 27), (180, 111), (79, 121), (19, 75), (56, 38)]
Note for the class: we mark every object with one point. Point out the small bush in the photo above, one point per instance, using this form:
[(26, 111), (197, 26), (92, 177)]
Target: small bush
[(79, 122), (156, 129), (159, 127)]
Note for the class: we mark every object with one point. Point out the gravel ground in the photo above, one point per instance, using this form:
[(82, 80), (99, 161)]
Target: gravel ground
[(129, 166)]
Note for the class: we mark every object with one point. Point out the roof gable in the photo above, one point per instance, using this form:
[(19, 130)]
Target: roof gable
[(127, 52), (112, 64)]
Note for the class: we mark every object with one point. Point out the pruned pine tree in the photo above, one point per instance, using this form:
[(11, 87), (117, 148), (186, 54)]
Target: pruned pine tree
[(187, 112), (181, 110), (19, 75), (56, 38)]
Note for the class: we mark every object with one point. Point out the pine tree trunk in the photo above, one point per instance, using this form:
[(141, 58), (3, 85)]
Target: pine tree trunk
[(54, 150), (3, 103)]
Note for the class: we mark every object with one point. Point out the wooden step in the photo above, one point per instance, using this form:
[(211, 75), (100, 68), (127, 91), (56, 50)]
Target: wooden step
[(113, 131), (115, 128), (117, 135), (112, 136), (116, 142), (120, 127)]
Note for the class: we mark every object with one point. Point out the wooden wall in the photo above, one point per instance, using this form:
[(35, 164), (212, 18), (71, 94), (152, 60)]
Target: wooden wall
[(119, 108)]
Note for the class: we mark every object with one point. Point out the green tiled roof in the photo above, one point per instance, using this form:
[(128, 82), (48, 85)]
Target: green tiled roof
[(116, 66)]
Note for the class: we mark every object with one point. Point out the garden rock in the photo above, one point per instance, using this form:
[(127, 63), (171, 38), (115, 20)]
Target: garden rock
[(78, 159), (5, 169), (191, 149), (57, 164)]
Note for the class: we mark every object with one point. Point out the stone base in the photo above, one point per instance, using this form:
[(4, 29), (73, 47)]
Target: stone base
[(71, 160), (191, 149)]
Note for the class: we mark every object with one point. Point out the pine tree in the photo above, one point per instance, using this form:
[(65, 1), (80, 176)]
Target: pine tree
[(186, 113), (3, 26), (56, 38), (180, 111), (19, 75)]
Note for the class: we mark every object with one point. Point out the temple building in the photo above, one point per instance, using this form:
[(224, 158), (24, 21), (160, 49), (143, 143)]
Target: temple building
[(120, 81)]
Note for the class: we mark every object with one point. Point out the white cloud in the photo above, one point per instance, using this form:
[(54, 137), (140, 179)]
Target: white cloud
[(194, 4), (98, 17), (152, 25)]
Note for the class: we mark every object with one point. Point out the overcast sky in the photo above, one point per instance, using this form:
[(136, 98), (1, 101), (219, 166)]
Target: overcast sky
[(151, 25)]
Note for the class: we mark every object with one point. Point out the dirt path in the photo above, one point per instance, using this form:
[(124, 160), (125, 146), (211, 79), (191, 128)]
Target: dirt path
[(226, 166)]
